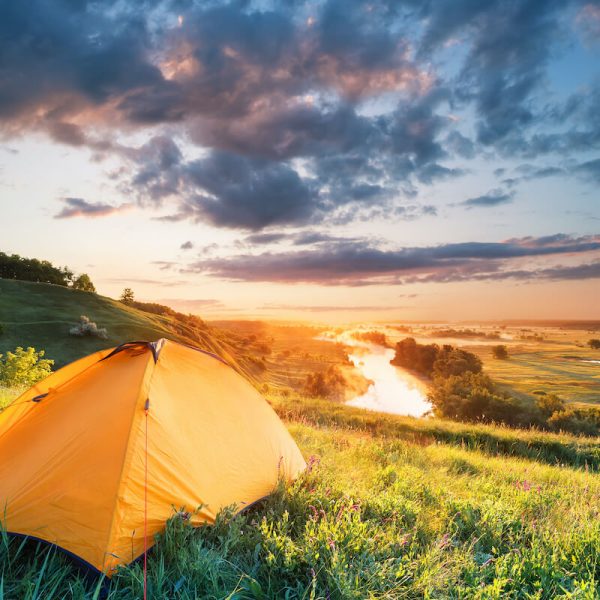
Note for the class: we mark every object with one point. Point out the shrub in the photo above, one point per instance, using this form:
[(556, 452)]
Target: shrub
[(325, 384), (474, 397), (85, 327), (500, 352), (579, 421), (594, 344), (24, 367), (548, 404)]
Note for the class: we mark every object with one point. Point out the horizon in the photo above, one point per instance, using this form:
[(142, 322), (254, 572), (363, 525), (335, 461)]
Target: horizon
[(325, 161)]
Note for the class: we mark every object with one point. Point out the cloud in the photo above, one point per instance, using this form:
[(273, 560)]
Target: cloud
[(492, 198), (249, 193), (362, 264), (590, 170), (558, 273), (78, 207), (342, 117), (186, 246)]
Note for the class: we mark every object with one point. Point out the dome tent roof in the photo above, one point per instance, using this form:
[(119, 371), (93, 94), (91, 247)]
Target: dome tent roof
[(76, 446)]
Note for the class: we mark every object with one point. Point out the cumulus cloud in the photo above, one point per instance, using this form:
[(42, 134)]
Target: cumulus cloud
[(78, 207), (271, 101)]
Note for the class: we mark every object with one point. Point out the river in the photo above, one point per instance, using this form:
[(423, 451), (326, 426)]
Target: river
[(393, 390)]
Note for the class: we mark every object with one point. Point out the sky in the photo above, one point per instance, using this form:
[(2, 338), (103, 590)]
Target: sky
[(336, 160)]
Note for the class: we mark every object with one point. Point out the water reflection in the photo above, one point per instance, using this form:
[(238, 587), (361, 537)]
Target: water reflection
[(393, 390)]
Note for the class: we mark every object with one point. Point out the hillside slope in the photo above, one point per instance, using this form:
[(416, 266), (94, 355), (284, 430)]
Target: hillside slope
[(40, 315)]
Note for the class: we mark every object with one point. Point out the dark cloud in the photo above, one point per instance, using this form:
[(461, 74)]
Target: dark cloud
[(186, 246), (268, 99), (590, 170), (78, 207), (360, 263), (559, 273), (492, 198), (248, 193)]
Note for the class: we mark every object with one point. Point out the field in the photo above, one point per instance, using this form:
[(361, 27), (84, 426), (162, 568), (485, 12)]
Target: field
[(542, 358), (392, 507)]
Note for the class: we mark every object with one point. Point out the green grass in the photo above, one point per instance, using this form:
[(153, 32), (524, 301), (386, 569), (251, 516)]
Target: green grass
[(556, 366), (391, 507), (40, 315)]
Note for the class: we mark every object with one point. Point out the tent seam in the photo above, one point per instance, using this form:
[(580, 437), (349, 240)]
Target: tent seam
[(144, 392)]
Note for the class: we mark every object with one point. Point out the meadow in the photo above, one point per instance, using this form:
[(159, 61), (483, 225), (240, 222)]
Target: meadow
[(390, 507), (543, 357)]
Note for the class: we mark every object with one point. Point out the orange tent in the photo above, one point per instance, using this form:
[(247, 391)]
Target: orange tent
[(128, 436)]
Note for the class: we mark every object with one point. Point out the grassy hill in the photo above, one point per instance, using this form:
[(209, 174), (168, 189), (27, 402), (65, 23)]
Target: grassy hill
[(390, 507), (40, 315)]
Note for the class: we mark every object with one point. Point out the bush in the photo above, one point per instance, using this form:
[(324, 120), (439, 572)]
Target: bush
[(24, 367), (85, 327), (594, 344), (474, 397), (500, 352), (325, 384), (578, 421)]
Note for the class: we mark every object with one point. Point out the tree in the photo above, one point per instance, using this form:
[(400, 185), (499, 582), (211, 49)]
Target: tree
[(594, 344), (127, 296), (500, 352), (14, 266), (84, 283), (454, 361)]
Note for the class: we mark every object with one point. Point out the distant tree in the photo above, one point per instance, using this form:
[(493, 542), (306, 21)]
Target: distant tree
[(594, 344), (24, 367), (13, 266), (500, 352), (454, 361), (84, 283), (127, 296)]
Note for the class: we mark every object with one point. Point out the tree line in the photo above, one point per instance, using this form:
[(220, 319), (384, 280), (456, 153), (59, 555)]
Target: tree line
[(13, 266), (460, 390)]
